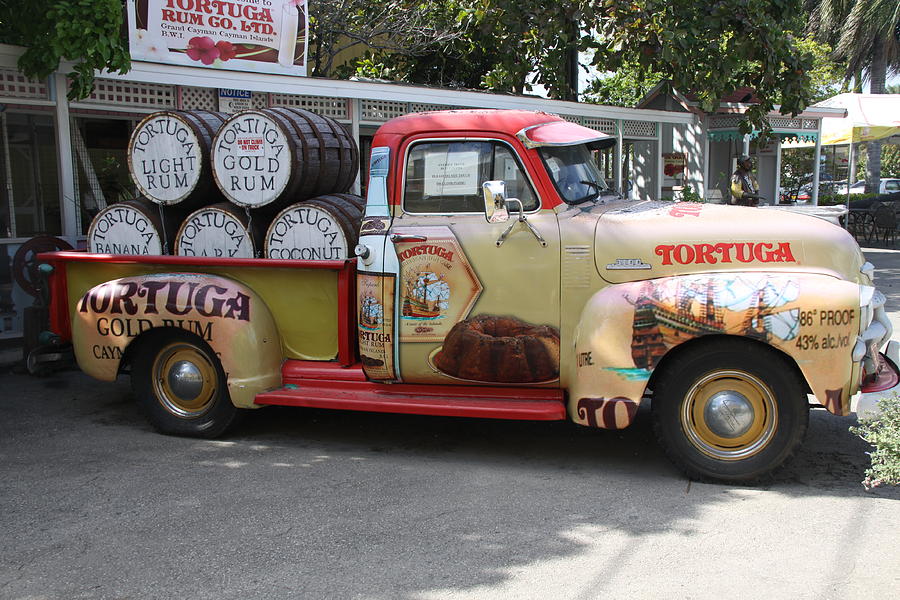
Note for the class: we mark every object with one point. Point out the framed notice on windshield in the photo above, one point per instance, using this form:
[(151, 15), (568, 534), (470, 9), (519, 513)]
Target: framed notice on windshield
[(267, 36)]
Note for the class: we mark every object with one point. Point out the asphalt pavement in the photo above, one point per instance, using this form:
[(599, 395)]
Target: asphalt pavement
[(318, 504)]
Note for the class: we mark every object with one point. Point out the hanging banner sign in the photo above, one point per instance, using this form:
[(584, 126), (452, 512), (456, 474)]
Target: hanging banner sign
[(673, 164), (268, 36)]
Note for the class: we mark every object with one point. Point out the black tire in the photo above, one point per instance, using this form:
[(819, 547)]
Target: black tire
[(729, 410), (181, 387)]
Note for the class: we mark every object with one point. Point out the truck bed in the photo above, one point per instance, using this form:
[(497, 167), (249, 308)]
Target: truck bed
[(311, 301)]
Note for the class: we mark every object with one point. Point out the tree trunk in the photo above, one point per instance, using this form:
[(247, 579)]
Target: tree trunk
[(877, 73)]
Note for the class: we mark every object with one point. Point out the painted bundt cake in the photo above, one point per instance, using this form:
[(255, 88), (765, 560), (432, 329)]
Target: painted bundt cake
[(500, 349)]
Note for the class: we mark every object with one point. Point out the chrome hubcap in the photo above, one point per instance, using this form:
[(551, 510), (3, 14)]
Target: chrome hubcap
[(185, 380), (728, 414)]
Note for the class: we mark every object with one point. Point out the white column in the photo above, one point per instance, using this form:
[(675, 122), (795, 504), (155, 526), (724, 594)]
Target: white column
[(746, 147), (777, 197), (851, 173), (816, 156), (659, 162), (704, 132), (617, 158), (68, 203), (354, 131)]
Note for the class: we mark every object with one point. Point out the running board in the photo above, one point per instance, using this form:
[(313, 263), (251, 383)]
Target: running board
[(530, 404)]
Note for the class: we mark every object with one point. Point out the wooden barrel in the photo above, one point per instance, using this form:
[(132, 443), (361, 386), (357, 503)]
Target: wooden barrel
[(357, 201), (131, 227), (169, 157), (220, 230), (273, 157), (322, 228)]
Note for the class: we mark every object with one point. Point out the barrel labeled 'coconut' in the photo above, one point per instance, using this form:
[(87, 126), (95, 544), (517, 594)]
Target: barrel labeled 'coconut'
[(130, 227), (220, 230), (323, 228), (275, 156), (169, 154)]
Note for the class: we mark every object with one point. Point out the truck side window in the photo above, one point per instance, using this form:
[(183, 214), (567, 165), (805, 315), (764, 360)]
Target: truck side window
[(446, 177)]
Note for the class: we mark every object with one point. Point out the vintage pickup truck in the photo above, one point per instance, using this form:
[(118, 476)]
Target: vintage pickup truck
[(498, 277)]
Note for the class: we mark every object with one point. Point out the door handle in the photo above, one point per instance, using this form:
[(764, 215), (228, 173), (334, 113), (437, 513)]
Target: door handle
[(403, 237)]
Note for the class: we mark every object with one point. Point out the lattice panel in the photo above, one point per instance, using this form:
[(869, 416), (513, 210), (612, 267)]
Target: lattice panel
[(811, 124), (380, 111), (336, 108), (644, 129), (196, 98), (724, 122), (572, 118), (785, 122), (15, 84), (123, 93), (259, 100), (604, 125), (418, 107)]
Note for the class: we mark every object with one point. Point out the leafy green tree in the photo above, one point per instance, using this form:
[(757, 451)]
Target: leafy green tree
[(826, 75), (863, 33), (357, 30), (499, 45), (890, 161), (86, 32), (626, 87), (710, 48)]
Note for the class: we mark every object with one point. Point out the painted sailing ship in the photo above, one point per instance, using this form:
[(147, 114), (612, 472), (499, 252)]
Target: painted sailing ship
[(700, 308), (371, 312), (427, 296)]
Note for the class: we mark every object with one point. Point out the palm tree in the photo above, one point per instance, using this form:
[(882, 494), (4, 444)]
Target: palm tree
[(864, 35)]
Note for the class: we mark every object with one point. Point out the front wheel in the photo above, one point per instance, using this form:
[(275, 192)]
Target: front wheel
[(179, 384), (729, 410)]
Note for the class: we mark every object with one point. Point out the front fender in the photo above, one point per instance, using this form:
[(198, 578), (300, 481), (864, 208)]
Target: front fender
[(626, 330), (227, 315)]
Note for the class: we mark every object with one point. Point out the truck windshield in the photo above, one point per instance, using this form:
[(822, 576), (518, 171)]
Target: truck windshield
[(575, 173)]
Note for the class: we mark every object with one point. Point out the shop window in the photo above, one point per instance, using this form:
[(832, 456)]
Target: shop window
[(29, 179), (99, 152), (446, 177)]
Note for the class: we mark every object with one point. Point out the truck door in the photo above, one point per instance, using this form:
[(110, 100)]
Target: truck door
[(453, 266)]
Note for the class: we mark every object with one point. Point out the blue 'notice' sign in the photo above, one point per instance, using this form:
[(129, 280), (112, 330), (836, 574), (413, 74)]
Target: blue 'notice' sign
[(234, 93)]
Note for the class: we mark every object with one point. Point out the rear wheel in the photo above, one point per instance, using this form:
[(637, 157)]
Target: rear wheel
[(179, 383), (729, 410)]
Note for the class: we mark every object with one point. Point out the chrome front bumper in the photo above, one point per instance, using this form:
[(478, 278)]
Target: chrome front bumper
[(884, 384)]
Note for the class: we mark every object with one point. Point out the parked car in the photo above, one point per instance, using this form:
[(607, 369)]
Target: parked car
[(886, 186)]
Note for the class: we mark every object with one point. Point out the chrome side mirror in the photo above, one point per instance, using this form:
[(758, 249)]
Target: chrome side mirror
[(495, 210)]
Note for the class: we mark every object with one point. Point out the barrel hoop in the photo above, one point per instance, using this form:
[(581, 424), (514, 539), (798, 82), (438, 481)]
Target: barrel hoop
[(340, 135), (300, 178), (314, 121)]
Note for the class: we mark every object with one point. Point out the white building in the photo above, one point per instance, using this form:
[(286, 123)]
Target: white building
[(61, 161)]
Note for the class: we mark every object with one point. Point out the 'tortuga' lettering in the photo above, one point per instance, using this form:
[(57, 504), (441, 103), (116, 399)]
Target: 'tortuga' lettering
[(726, 252), (175, 297)]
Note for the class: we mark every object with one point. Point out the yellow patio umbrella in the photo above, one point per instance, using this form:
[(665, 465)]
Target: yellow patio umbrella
[(869, 117)]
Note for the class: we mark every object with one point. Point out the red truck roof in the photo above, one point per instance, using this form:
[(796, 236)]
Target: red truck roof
[(509, 122), (530, 129)]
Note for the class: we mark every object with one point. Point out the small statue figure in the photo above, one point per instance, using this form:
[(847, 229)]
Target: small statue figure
[(744, 187)]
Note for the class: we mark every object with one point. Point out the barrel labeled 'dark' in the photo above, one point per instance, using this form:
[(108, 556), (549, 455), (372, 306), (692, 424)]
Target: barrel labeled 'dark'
[(219, 230), (169, 157), (131, 227), (322, 228), (272, 157)]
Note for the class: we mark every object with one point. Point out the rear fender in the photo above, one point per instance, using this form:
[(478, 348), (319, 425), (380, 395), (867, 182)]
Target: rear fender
[(227, 315), (626, 331)]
